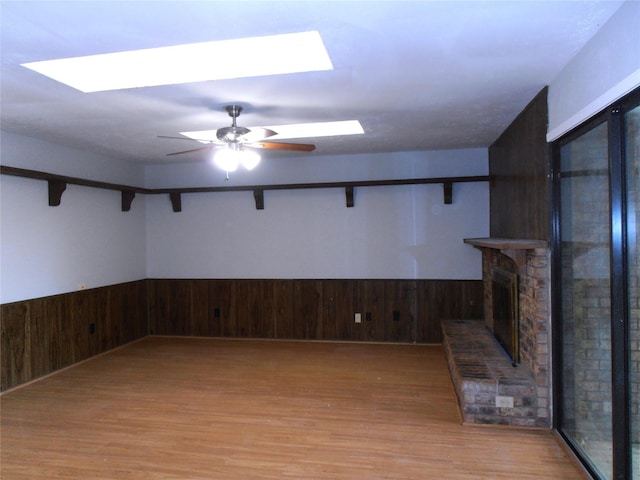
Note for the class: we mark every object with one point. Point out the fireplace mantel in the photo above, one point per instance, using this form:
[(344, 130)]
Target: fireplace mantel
[(514, 248)]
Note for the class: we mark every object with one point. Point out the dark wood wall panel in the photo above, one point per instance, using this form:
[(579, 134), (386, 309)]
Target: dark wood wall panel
[(202, 324), (519, 169), (370, 300), (80, 307), (42, 335), (404, 311), (16, 355), (222, 308), (255, 313), (307, 309), (38, 337), (283, 308), (170, 309), (451, 299), (338, 311), (400, 310)]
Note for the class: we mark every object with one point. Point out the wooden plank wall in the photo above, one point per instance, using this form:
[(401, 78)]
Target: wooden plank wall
[(392, 310), (519, 167), (42, 335)]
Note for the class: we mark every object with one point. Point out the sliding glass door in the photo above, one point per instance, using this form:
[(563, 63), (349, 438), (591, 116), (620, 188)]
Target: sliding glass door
[(632, 149), (596, 301), (586, 301)]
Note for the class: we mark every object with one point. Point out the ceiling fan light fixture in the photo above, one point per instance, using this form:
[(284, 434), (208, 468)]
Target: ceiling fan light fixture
[(229, 159), (249, 159)]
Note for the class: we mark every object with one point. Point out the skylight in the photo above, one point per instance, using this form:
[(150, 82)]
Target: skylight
[(298, 130), (196, 62)]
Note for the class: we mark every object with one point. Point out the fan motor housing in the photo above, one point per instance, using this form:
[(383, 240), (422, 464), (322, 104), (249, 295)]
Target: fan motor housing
[(231, 133)]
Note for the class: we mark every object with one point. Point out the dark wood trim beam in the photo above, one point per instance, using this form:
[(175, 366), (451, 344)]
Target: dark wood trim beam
[(507, 243), (514, 248), (56, 189), (298, 186), (128, 192), (21, 172)]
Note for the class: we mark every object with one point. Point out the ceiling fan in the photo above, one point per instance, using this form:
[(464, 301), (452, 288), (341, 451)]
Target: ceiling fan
[(236, 138)]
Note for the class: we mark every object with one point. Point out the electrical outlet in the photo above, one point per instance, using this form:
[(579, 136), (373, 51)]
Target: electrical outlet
[(504, 402), (358, 318)]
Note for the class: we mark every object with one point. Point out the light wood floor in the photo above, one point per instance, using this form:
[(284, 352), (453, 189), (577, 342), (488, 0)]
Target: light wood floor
[(182, 408)]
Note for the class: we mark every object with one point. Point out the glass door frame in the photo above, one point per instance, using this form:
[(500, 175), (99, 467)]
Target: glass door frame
[(620, 386)]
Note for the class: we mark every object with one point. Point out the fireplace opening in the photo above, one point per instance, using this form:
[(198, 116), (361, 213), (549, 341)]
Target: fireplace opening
[(504, 285)]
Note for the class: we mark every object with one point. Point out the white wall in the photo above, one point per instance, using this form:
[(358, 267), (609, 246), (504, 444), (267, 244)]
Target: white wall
[(33, 154), (86, 240), (392, 232), (335, 168), (607, 68)]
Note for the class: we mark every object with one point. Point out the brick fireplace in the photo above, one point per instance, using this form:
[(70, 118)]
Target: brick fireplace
[(491, 388)]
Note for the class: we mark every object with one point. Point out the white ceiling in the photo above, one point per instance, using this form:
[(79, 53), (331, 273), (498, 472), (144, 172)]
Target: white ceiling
[(419, 75)]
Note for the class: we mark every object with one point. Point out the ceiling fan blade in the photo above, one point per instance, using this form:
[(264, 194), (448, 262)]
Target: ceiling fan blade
[(175, 138), (257, 134), (205, 140), (208, 147), (296, 147)]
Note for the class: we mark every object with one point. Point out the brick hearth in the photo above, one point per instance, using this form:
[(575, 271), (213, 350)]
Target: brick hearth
[(481, 372), (479, 369)]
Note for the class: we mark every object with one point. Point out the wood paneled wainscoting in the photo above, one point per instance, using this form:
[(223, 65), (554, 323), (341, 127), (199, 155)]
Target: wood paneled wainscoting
[(406, 311), (42, 335)]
